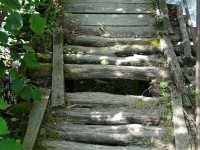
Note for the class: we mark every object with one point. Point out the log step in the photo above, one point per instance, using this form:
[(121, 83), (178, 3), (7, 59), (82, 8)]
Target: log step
[(108, 19), (108, 8), (98, 41), (111, 1), (109, 116), (66, 145), (105, 99), (136, 60), (106, 135), (113, 31), (118, 50), (73, 71), (114, 72)]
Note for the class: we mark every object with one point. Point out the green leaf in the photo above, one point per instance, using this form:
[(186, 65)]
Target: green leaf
[(37, 24), (14, 74), (2, 69), (36, 94), (26, 93), (30, 61), (10, 4), (3, 127), (28, 48), (17, 86), (14, 22), (3, 37), (31, 93), (10, 144), (3, 104)]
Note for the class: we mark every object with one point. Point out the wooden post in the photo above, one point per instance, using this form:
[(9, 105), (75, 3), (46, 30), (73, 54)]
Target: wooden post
[(164, 11), (182, 138), (57, 95), (35, 120), (189, 20), (198, 78), (184, 33)]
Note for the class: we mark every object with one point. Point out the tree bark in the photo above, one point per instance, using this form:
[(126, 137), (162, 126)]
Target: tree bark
[(111, 116), (103, 72), (107, 135)]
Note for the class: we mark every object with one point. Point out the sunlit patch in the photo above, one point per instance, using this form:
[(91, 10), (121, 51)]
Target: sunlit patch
[(140, 16), (119, 9), (138, 10), (119, 74), (117, 117), (134, 58), (136, 129)]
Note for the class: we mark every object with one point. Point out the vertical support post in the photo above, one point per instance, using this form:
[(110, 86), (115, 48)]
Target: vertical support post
[(57, 95), (184, 32), (198, 78)]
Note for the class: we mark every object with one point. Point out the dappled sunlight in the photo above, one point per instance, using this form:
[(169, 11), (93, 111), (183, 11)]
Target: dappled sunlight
[(140, 16), (120, 10), (116, 117), (179, 122)]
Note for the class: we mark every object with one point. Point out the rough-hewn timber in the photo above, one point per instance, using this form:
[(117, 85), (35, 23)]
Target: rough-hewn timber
[(98, 41), (63, 145), (99, 98), (107, 135), (136, 60), (112, 116), (74, 71), (117, 50), (57, 95), (108, 8), (35, 121)]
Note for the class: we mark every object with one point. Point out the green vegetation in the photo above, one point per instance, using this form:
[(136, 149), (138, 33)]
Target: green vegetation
[(152, 42), (165, 103), (25, 25)]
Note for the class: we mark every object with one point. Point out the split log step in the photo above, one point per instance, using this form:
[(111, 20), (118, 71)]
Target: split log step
[(105, 99), (118, 50), (111, 1), (113, 31), (108, 19), (107, 8), (98, 41), (110, 116), (66, 145), (107, 135), (136, 60), (72, 71)]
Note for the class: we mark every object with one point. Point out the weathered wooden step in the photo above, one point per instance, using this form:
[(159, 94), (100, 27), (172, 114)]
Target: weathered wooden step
[(98, 41), (113, 31), (108, 8), (72, 71), (66, 145), (110, 116), (136, 60), (114, 72), (109, 19), (111, 1), (106, 135), (99, 98), (118, 50)]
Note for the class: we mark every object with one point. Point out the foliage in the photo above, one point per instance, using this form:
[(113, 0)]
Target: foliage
[(159, 21), (22, 22), (166, 112), (190, 93)]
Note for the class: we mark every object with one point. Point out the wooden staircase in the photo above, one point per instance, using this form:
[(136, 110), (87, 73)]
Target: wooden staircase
[(109, 44)]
